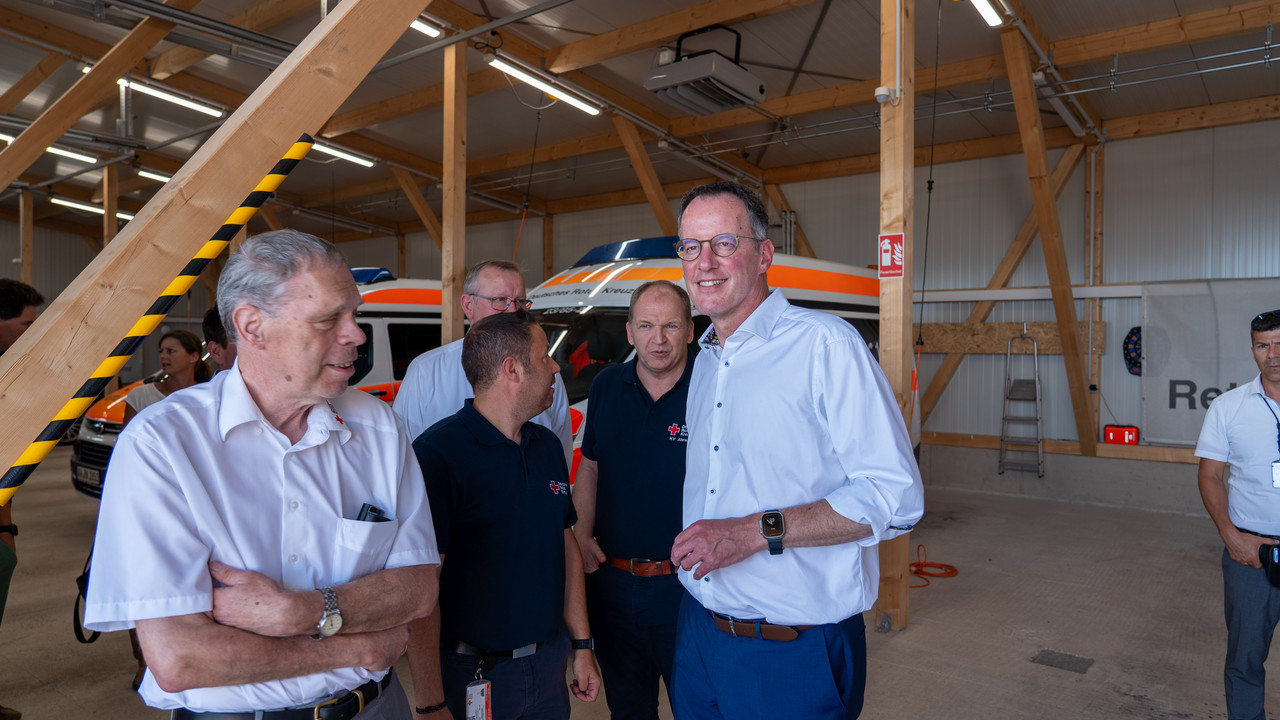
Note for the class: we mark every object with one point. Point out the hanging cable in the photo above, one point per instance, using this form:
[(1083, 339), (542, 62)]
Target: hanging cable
[(533, 155), (928, 215), (925, 570)]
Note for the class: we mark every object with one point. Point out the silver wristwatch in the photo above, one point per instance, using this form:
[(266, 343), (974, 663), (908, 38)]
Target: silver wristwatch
[(331, 621)]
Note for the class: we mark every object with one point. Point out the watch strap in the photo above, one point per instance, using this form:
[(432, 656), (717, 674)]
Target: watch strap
[(11, 529), (775, 545), (588, 644)]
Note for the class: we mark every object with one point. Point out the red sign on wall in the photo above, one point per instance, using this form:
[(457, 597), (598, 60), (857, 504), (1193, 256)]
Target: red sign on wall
[(891, 252)]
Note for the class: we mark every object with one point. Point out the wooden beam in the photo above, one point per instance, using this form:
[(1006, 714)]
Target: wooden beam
[(1026, 105), (1197, 118), (454, 208), (548, 246), (478, 83), (234, 246), (659, 30), (1091, 118), (99, 307), (409, 185), (401, 259), (262, 16), (1000, 278), (27, 235), (897, 207), (644, 171), (1151, 453), (271, 217), (779, 200), (1094, 195), (124, 187), (66, 110), (992, 338), (18, 91), (110, 202)]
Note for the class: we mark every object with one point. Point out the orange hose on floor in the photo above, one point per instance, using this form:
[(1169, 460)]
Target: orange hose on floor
[(925, 570)]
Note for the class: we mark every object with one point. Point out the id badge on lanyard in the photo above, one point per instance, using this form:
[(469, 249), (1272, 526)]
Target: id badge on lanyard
[(1275, 465)]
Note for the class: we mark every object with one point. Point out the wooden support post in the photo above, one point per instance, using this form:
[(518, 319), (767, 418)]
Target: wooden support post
[(1027, 107), (270, 217), (648, 178), (110, 202), (74, 103), (1093, 196), (897, 204), (99, 307), (548, 246), (27, 228), (1000, 278), (453, 219), (401, 260), (409, 186), (30, 81), (780, 203)]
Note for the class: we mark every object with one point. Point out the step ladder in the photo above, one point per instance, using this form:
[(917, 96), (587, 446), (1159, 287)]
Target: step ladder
[(1021, 411)]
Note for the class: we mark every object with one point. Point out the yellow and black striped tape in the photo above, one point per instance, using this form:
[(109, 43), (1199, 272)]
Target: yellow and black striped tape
[(97, 382)]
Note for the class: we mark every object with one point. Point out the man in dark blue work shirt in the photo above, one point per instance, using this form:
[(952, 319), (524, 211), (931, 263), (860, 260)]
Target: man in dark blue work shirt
[(628, 496), (499, 493)]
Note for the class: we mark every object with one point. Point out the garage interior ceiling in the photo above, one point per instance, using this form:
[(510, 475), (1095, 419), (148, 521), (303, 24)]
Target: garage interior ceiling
[(819, 60)]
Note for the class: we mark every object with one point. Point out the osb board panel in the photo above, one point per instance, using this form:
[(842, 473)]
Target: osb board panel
[(993, 338)]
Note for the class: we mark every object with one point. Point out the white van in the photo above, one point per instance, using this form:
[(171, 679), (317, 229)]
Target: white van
[(584, 308), (400, 320)]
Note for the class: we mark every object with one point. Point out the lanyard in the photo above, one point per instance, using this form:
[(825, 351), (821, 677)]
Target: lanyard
[(1273, 414)]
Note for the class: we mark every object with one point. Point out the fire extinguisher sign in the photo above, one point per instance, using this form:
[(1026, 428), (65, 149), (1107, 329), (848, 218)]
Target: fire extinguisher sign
[(891, 251)]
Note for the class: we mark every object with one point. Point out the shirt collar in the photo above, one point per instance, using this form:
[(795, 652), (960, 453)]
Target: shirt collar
[(760, 322), (629, 372), (483, 431), (236, 407)]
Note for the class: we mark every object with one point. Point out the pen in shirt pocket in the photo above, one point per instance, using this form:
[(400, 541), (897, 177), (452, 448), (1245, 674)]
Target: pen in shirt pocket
[(372, 513)]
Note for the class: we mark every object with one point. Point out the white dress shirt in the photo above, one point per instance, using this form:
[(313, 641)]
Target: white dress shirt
[(1240, 430), (435, 387), (792, 409), (203, 476)]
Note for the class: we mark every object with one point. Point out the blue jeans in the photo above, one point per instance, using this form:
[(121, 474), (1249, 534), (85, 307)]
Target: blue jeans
[(528, 688), (633, 620), (820, 675), (1252, 606)]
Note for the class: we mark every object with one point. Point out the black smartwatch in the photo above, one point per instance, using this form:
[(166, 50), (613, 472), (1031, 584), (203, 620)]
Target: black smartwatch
[(11, 529), (588, 644), (772, 528)]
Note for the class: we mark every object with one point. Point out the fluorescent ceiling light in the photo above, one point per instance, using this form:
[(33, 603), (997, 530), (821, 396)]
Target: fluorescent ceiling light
[(154, 176), (988, 12), (166, 96), (426, 28), (544, 86), (58, 151), (343, 154), (87, 207)]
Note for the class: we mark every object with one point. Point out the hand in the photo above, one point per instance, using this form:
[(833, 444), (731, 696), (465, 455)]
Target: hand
[(592, 556), (253, 602), (1243, 547), (385, 647), (713, 544), (586, 676)]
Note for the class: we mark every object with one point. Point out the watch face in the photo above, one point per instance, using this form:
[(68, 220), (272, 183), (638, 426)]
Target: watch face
[(771, 524), (331, 624)]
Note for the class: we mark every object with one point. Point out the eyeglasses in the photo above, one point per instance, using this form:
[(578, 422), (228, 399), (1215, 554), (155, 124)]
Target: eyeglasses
[(502, 302), (722, 245)]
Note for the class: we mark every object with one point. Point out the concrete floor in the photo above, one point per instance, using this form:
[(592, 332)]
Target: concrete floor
[(1137, 592)]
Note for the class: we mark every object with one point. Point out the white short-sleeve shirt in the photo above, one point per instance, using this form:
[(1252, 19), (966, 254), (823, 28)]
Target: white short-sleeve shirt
[(791, 409), (203, 476), (435, 387), (1240, 430)]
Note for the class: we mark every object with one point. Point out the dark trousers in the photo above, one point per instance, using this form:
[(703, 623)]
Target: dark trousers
[(820, 675), (1252, 606), (8, 561), (527, 688), (633, 620)]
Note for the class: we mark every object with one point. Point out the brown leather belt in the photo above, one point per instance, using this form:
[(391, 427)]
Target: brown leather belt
[(345, 707), (643, 567), (757, 628)]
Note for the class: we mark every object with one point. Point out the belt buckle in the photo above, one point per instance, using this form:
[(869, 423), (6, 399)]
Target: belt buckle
[(631, 564), (315, 714)]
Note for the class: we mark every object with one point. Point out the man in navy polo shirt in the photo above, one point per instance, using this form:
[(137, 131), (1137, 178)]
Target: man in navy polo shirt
[(628, 496), (499, 492)]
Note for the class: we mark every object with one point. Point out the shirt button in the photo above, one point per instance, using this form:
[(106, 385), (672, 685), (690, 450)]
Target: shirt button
[(707, 579), (293, 505), (726, 363), (293, 558), (713, 491), (716, 448), (719, 404)]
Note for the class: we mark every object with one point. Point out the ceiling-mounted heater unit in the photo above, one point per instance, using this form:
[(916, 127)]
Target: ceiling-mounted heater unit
[(705, 82)]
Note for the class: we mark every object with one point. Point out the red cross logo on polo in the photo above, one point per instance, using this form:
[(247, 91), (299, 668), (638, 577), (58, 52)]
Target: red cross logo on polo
[(674, 429), (559, 487)]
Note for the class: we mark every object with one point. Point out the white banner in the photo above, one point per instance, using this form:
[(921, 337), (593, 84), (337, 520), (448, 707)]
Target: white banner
[(1196, 346)]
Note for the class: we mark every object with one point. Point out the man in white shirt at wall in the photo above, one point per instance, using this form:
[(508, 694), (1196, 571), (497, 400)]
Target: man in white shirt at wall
[(798, 465), (232, 531), (435, 386), (1242, 431)]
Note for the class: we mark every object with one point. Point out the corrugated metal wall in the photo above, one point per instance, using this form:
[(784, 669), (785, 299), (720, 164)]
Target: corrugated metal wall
[(1191, 205)]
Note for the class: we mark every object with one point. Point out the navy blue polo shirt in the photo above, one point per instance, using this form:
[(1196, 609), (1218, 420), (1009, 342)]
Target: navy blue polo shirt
[(500, 511), (639, 445)]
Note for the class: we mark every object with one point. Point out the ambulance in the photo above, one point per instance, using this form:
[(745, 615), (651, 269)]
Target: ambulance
[(584, 309), (400, 320)]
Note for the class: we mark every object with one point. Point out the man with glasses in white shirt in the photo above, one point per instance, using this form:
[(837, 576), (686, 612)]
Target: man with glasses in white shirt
[(798, 464), (435, 386)]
